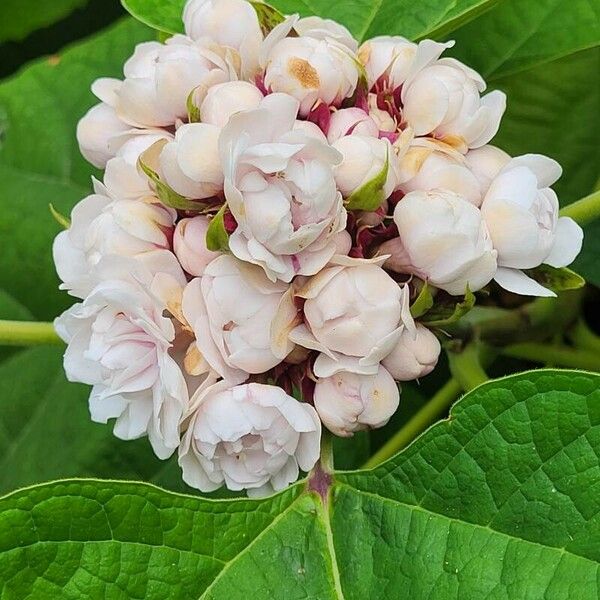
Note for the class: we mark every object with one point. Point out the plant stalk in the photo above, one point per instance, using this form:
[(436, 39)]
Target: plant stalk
[(27, 333), (583, 337), (562, 356), (465, 366), (440, 402), (583, 211)]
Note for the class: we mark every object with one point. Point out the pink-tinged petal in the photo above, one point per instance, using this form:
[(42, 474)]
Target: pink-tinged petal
[(517, 282)]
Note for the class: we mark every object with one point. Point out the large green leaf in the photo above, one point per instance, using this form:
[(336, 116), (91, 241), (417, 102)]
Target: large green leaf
[(499, 501), (46, 432), (19, 18), (516, 35), (365, 18), (40, 161)]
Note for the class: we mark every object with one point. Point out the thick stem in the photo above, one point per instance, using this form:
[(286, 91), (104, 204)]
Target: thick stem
[(583, 211), (27, 333), (321, 477), (562, 356), (438, 404), (583, 337), (465, 366)]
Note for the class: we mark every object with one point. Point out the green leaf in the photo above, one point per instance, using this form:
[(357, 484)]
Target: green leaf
[(422, 303), (40, 160), (369, 195), (364, 18), (557, 280), (19, 18), (520, 35), (445, 314), (217, 239), (499, 501), (46, 431)]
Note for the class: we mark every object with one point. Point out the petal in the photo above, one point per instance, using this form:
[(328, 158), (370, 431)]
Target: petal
[(517, 282), (567, 243)]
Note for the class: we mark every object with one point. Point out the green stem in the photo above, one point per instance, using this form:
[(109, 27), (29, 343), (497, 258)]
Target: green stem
[(327, 452), (465, 366), (562, 356), (583, 337), (27, 333), (583, 211), (438, 404)]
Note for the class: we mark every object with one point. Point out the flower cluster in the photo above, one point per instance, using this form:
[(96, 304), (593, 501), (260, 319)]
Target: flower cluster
[(274, 198)]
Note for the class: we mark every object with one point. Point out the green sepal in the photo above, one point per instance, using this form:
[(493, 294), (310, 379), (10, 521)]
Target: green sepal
[(217, 238), (447, 314), (557, 280), (63, 221), (369, 196), (167, 195), (192, 110), (422, 303), (268, 16)]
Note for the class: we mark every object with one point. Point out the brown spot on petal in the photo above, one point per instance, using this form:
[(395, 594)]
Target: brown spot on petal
[(364, 53), (228, 326), (304, 72), (455, 141), (193, 361)]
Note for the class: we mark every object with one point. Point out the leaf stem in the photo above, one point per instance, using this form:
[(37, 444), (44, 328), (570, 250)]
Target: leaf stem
[(440, 401), (562, 356), (465, 366), (27, 333), (583, 337), (583, 211)]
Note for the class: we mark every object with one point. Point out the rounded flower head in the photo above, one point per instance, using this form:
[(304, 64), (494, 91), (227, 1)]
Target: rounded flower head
[(190, 164), (352, 315), (230, 23), (231, 309), (118, 342), (225, 99), (443, 100), (521, 213), (253, 437), (160, 77), (442, 239), (363, 159), (347, 402), (428, 166), (485, 163), (280, 188), (311, 69), (415, 355), (103, 225), (189, 245)]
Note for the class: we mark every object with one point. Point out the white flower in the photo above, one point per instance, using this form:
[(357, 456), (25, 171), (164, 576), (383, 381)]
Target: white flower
[(189, 245), (190, 164), (363, 159), (225, 99), (521, 213), (415, 355), (347, 402), (231, 309), (118, 342), (230, 23), (485, 163), (311, 69), (443, 100), (390, 60), (160, 77), (428, 165), (351, 121), (252, 437), (280, 188), (101, 226), (326, 29), (352, 315), (442, 239)]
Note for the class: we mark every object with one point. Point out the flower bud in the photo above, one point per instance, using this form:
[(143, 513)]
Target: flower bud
[(351, 121), (415, 355), (347, 402), (189, 244), (190, 164), (363, 159), (443, 100), (252, 437), (521, 213), (309, 69), (442, 239), (225, 99)]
